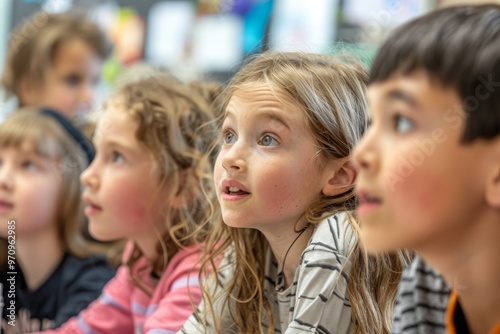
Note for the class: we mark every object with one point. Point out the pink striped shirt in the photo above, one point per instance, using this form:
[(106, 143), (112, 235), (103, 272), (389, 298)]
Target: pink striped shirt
[(124, 308)]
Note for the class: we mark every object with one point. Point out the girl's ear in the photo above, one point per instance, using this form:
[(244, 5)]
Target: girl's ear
[(342, 176), (492, 191)]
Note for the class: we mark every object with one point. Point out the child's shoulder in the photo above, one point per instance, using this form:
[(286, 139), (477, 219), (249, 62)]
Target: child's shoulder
[(94, 268), (422, 300), (334, 233), (186, 259)]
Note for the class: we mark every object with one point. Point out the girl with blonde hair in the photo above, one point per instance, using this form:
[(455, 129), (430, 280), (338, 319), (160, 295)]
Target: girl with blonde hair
[(53, 271), (287, 228), (150, 184)]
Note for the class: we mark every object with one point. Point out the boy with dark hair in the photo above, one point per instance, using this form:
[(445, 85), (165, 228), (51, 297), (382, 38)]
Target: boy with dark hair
[(429, 168)]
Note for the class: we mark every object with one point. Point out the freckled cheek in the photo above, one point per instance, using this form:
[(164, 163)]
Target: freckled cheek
[(280, 193)]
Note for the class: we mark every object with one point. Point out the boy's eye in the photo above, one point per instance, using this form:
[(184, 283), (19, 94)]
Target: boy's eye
[(117, 157), (72, 80), (403, 124), (229, 137), (268, 140)]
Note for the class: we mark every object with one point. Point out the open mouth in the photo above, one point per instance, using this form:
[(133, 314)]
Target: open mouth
[(234, 191), (95, 207), (91, 208), (4, 205), (367, 203), (365, 198)]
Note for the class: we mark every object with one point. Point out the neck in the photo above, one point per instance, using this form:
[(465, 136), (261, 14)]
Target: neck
[(287, 249), (147, 243), (38, 255), (470, 266)]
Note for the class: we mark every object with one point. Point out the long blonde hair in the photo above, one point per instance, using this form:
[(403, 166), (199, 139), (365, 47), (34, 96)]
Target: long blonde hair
[(330, 90), (49, 139), (174, 124)]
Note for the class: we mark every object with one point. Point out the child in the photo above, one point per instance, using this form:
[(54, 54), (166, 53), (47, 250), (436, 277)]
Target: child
[(41, 214), (145, 185), (284, 182), (429, 167), (54, 61)]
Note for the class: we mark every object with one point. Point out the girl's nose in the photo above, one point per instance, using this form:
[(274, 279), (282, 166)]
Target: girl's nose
[(233, 158), (89, 177)]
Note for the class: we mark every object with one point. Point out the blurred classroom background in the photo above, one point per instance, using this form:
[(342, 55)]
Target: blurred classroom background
[(209, 39)]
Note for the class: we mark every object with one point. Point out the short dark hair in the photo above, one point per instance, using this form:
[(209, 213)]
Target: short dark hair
[(460, 48)]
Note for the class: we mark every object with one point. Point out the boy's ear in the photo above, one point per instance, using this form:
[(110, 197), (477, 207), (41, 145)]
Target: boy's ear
[(493, 181), (342, 177)]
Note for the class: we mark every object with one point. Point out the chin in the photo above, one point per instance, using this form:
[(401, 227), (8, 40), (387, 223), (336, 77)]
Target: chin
[(100, 235), (375, 245), (235, 222)]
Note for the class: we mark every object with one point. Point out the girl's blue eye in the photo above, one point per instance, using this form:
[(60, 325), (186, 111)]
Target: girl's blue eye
[(403, 124), (117, 157), (229, 137), (268, 140)]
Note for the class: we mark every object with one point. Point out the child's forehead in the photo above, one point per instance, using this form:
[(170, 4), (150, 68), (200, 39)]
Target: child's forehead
[(76, 42), (260, 92), (417, 89), (116, 111), (46, 148), (116, 121)]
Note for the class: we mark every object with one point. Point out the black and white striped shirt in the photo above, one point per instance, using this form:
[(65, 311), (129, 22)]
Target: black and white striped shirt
[(422, 301), (317, 300)]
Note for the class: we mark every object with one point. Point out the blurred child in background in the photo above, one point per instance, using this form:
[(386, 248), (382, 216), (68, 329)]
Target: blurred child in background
[(149, 183), (41, 158), (429, 168), (54, 61)]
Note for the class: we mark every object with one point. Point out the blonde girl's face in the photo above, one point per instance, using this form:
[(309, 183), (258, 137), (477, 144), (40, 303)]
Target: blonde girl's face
[(121, 184), (30, 189), (268, 171), (70, 83)]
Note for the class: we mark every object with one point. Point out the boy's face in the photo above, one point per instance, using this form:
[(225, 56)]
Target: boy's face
[(69, 84), (419, 187)]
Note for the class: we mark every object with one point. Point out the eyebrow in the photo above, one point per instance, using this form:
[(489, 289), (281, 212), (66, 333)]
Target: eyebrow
[(267, 115), (116, 143), (399, 95)]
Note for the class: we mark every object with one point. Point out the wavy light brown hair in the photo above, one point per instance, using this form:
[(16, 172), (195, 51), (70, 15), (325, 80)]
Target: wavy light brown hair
[(33, 44), (175, 126), (330, 91)]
